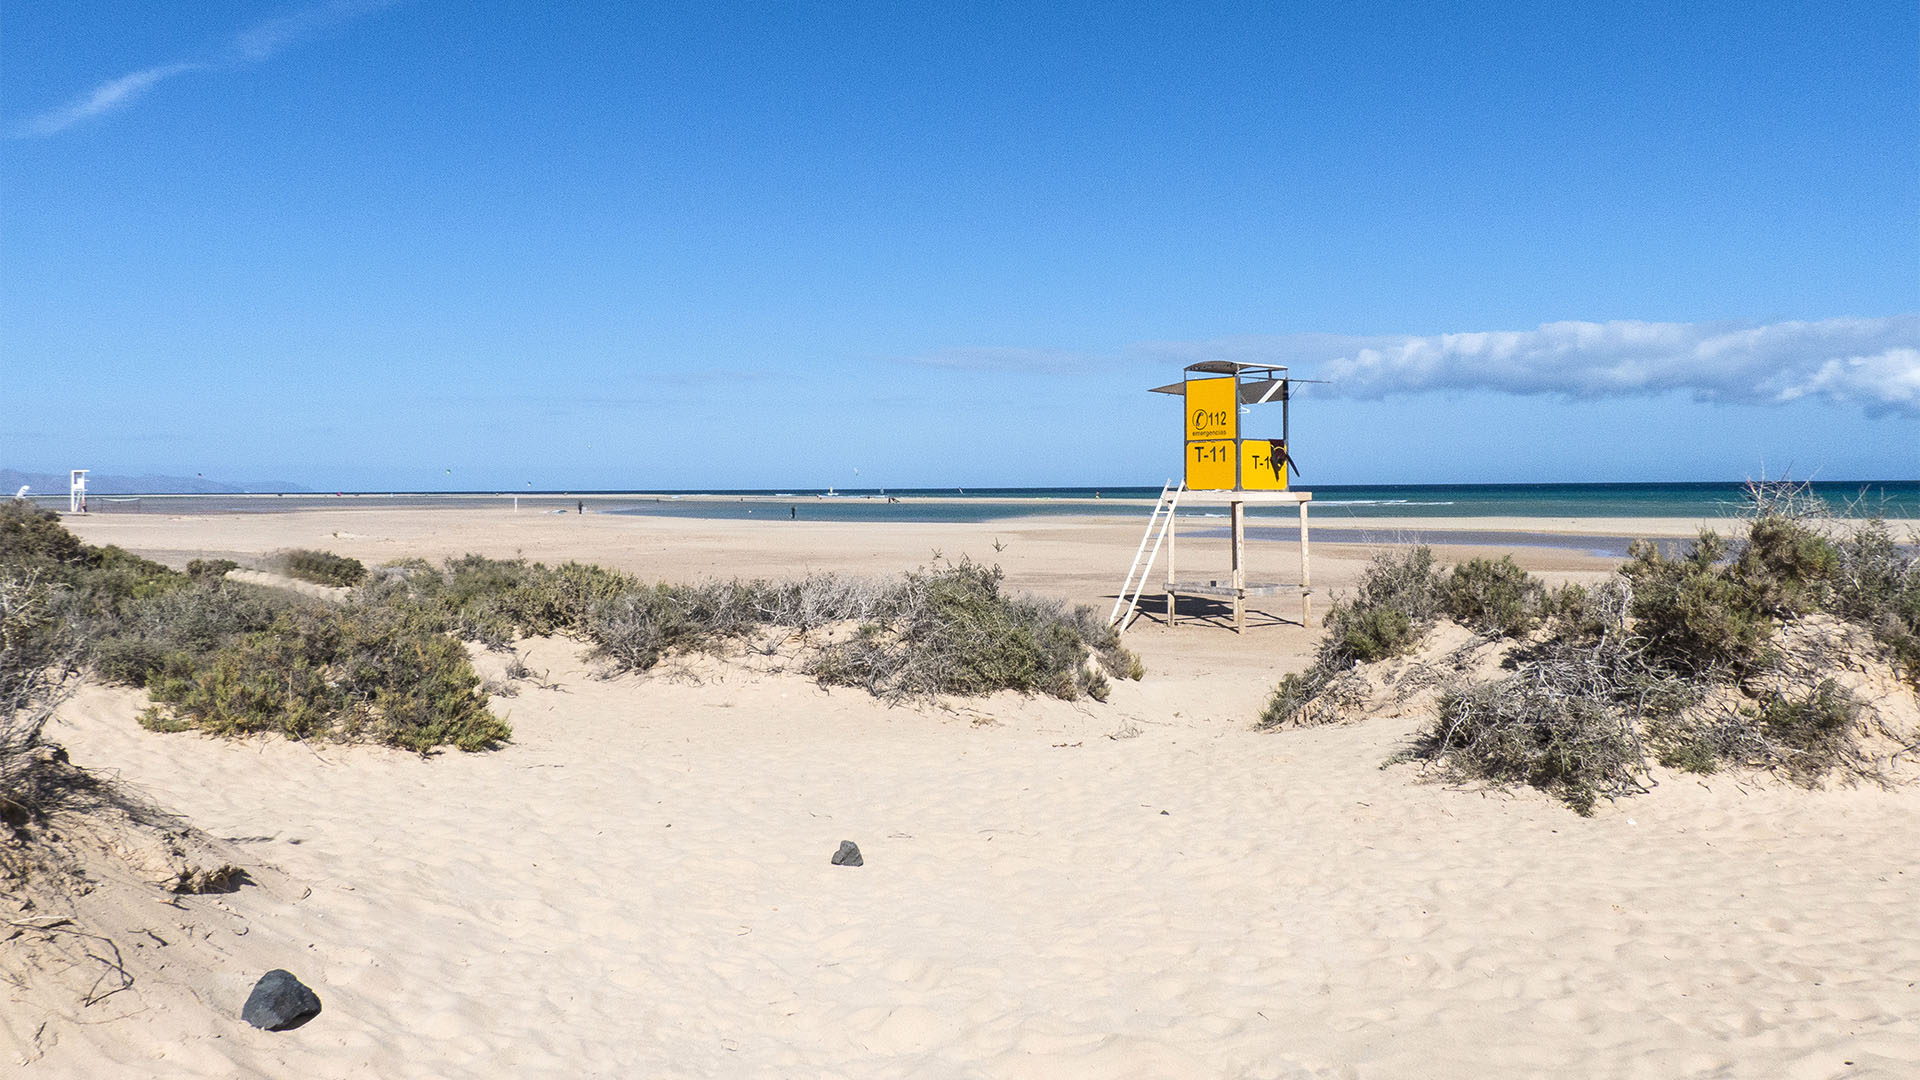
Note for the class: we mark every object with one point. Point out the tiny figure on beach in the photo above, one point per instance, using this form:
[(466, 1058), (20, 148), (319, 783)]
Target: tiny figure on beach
[(579, 506), (793, 513)]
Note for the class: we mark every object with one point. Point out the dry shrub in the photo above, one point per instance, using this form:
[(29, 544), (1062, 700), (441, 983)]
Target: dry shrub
[(633, 630), (1568, 719), (32, 674), (821, 600), (1566, 738), (1876, 583)]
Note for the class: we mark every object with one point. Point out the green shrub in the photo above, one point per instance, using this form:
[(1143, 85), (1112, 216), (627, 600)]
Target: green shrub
[(1576, 612), (198, 617), (96, 579), (1715, 608), (494, 601), (210, 568), (1676, 658), (321, 567), (1296, 691), (1367, 634), (952, 630), (349, 673), (273, 680), (1393, 604), (1785, 566), (231, 658), (32, 537), (125, 659), (1815, 729), (1493, 597), (1692, 614)]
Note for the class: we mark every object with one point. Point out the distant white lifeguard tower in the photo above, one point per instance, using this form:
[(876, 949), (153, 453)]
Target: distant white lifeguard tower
[(77, 491), (1221, 467)]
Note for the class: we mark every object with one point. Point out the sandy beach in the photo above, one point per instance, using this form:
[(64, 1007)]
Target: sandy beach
[(638, 884)]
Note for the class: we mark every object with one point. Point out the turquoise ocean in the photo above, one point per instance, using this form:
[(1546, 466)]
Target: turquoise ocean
[(1332, 503), (1892, 499)]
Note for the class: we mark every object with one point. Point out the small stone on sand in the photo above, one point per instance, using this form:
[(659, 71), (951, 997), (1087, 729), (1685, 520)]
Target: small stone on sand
[(279, 1001)]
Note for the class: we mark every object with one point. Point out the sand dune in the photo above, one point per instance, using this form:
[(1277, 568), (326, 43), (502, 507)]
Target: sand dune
[(639, 883)]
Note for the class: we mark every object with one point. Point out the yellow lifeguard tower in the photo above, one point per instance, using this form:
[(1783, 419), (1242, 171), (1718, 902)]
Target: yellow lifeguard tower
[(1222, 467)]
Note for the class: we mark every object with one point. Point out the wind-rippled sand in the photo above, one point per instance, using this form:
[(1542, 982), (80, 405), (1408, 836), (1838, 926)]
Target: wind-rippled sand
[(639, 885)]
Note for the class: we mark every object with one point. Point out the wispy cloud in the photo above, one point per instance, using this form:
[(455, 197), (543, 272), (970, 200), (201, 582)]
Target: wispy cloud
[(255, 44), (1872, 364), (264, 40), (108, 96)]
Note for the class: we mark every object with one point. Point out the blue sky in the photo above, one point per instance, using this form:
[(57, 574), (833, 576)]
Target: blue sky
[(432, 245)]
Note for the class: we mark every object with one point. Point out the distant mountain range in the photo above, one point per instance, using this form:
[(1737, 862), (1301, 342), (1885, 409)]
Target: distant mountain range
[(107, 484)]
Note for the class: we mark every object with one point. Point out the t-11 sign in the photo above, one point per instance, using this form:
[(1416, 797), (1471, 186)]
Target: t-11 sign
[(1217, 458)]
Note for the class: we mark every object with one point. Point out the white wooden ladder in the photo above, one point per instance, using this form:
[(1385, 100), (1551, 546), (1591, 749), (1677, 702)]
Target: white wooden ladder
[(1157, 526)]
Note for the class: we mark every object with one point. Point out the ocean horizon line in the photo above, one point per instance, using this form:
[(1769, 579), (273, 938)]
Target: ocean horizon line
[(1898, 499)]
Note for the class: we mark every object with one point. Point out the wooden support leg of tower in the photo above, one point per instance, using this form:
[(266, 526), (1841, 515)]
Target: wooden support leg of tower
[(1238, 511), (1173, 535), (1306, 573)]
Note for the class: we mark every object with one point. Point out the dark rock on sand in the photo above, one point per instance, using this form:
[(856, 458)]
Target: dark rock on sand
[(279, 1002), (848, 855)]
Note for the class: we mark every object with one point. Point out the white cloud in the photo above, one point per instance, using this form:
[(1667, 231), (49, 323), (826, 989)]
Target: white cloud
[(252, 45), (1872, 363), (1885, 382)]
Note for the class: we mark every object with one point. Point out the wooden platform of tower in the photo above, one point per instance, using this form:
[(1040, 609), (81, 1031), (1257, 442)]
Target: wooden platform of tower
[(1222, 468)]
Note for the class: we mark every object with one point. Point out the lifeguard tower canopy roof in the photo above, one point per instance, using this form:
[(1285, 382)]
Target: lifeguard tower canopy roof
[(1258, 382)]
